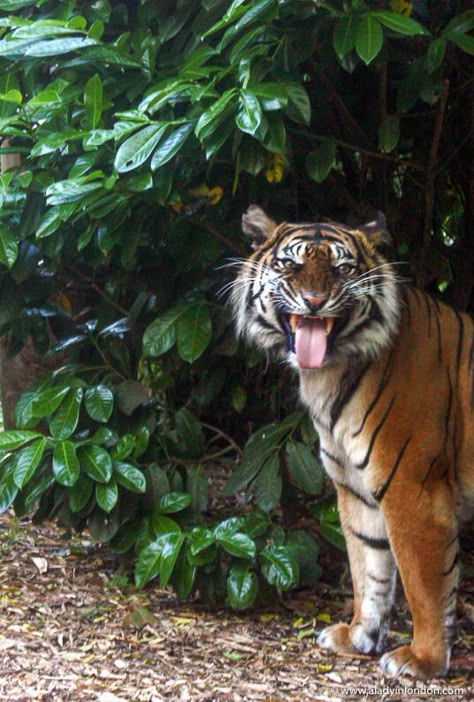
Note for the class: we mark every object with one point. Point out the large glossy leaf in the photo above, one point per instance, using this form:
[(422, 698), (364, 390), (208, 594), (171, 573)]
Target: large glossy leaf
[(13, 439), (183, 576), (139, 147), (242, 586), (369, 38), (148, 564), (64, 421), (160, 335), (238, 545), (8, 247), (279, 567), (249, 117), (268, 484), (304, 468), (99, 403), (8, 488), (93, 100), (170, 146), (321, 161), (80, 493), (399, 23), (174, 502), (106, 495), (47, 401), (170, 549), (389, 133), (129, 477), (193, 331), (65, 463), (299, 107), (27, 462), (97, 463), (344, 36)]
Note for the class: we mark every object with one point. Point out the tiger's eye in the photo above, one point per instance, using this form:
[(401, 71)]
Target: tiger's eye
[(344, 269)]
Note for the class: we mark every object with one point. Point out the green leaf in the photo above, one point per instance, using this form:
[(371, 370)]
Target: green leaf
[(279, 567), (463, 41), (369, 38), (249, 117), (257, 523), (171, 145), (304, 468), (193, 331), (93, 101), (138, 148), (211, 117), (344, 36), (80, 493), (97, 463), (129, 477), (299, 106), (305, 550), (238, 545), (106, 495), (148, 563), (197, 486), (8, 488), (160, 335), (389, 133), (334, 534), (47, 401), (163, 525), (461, 23), (184, 574), (11, 440), (8, 247), (242, 586), (321, 161), (64, 421), (170, 548), (174, 502), (399, 23), (65, 463), (435, 54), (268, 484), (27, 462), (99, 403), (123, 448), (54, 47)]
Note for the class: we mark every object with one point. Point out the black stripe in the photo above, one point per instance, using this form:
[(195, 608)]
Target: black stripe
[(333, 458), (460, 343), (378, 494), (431, 466), (379, 426), (380, 581), (266, 324), (383, 383), (346, 395), (371, 541), (448, 411), (452, 566), (438, 328), (428, 312), (357, 495)]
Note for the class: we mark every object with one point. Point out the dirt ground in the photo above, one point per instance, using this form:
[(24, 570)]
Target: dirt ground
[(72, 628)]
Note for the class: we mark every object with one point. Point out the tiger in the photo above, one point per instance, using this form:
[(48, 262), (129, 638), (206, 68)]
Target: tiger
[(386, 373)]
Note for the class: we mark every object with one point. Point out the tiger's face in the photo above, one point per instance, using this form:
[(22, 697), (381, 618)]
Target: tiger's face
[(316, 293)]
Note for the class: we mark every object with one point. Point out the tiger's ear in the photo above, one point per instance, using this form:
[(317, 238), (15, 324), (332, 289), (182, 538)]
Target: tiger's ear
[(258, 225), (376, 231)]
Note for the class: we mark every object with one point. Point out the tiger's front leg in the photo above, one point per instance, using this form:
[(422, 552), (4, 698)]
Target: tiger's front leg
[(373, 575), (425, 545)]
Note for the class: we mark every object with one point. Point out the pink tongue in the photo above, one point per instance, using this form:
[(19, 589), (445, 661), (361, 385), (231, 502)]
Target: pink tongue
[(310, 343)]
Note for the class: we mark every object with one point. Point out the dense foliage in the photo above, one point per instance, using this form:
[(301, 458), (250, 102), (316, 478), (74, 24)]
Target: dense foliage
[(138, 133)]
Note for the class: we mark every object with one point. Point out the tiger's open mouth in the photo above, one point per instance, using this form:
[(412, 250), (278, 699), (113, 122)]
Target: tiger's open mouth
[(308, 337)]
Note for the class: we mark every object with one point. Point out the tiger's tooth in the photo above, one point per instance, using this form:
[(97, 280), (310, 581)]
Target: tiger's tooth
[(294, 320), (329, 324)]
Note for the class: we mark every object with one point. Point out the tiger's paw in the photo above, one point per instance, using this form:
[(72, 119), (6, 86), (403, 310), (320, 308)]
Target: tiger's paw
[(343, 638), (402, 661)]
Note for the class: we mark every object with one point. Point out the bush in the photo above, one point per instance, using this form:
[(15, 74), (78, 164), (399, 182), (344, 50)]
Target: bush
[(143, 131)]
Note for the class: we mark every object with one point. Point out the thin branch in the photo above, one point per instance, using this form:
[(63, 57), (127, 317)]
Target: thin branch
[(431, 176), (91, 282), (218, 235), (224, 436)]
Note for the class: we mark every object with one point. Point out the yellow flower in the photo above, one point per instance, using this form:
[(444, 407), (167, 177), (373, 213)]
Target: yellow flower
[(401, 7), (213, 195), (275, 168)]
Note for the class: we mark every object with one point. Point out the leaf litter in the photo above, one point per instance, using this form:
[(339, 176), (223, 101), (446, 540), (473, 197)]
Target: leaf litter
[(73, 628)]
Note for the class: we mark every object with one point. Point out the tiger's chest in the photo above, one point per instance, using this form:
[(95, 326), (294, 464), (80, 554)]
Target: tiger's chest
[(338, 414)]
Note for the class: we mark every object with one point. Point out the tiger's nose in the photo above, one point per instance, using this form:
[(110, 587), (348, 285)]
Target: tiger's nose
[(314, 299)]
